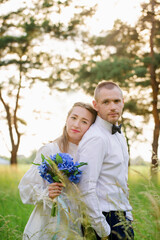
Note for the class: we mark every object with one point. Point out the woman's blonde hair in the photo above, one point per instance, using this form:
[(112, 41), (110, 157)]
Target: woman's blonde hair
[(63, 141)]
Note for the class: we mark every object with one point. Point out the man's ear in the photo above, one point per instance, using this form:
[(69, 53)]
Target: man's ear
[(95, 105), (123, 101)]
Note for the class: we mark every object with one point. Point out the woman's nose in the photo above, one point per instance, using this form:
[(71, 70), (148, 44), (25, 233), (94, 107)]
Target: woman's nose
[(76, 123)]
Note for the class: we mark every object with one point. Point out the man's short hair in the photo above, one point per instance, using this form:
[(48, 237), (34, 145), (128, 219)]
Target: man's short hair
[(107, 85)]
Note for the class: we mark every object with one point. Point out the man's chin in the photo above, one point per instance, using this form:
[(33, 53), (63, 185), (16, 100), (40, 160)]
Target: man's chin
[(113, 121)]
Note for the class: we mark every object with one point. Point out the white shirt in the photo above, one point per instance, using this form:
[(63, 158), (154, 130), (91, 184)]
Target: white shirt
[(104, 179)]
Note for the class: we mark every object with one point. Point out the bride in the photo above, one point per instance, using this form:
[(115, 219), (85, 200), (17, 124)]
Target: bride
[(35, 190)]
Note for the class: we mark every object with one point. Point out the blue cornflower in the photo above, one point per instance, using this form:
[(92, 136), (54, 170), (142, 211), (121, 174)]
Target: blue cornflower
[(64, 156), (66, 166), (43, 168), (75, 178), (49, 178), (64, 163)]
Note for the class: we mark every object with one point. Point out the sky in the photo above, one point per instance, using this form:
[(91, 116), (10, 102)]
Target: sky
[(45, 113), (109, 10)]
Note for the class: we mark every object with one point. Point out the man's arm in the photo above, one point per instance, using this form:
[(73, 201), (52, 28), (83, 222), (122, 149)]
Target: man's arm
[(92, 151), (129, 215)]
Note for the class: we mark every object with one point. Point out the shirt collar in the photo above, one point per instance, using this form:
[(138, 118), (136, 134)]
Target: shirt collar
[(104, 124)]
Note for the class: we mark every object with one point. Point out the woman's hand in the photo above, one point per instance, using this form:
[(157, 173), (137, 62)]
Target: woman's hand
[(55, 189)]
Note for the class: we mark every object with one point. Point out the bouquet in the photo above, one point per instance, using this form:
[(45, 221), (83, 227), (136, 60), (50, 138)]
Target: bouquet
[(57, 167)]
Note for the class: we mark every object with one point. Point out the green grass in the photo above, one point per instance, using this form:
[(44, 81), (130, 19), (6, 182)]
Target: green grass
[(145, 200), (144, 197), (13, 213)]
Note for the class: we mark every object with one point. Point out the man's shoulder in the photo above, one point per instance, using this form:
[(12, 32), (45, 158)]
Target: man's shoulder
[(93, 139), (94, 132)]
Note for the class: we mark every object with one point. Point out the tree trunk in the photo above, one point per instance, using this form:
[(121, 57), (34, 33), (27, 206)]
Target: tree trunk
[(13, 125), (14, 151), (154, 84)]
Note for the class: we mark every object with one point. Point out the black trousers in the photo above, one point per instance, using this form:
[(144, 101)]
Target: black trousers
[(121, 228)]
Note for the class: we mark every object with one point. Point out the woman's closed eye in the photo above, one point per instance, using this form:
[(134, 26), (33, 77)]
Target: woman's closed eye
[(85, 122), (73, 117)]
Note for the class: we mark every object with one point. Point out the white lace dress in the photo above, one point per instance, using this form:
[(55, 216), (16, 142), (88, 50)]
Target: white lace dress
[(34, 190)]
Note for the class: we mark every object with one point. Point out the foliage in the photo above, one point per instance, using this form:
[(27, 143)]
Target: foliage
[(24, 57), (129, 56)]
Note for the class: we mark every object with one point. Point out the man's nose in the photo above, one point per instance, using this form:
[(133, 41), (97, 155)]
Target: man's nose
[(112, 105)]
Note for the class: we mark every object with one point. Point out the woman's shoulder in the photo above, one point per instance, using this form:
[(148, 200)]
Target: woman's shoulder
[(52, 146), (47, 150)]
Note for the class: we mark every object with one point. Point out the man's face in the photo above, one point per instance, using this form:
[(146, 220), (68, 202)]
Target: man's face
[(109, 104)]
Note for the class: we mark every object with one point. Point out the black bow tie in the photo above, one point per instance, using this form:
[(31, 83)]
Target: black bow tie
[(116, 128)]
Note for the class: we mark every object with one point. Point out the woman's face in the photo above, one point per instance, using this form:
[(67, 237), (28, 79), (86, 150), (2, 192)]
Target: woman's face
[(78, 123)]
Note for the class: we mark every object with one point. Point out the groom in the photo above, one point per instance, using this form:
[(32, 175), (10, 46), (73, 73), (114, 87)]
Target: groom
[(104, 180)]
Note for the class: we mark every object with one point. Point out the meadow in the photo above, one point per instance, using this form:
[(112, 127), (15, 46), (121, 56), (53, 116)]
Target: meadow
[(144, 197)]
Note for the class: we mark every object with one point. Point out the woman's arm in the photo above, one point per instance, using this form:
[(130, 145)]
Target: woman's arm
[(32, 187)]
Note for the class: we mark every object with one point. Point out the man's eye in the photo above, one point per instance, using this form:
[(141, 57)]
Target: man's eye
[(73, 117), (106, 102), (84, 122)]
